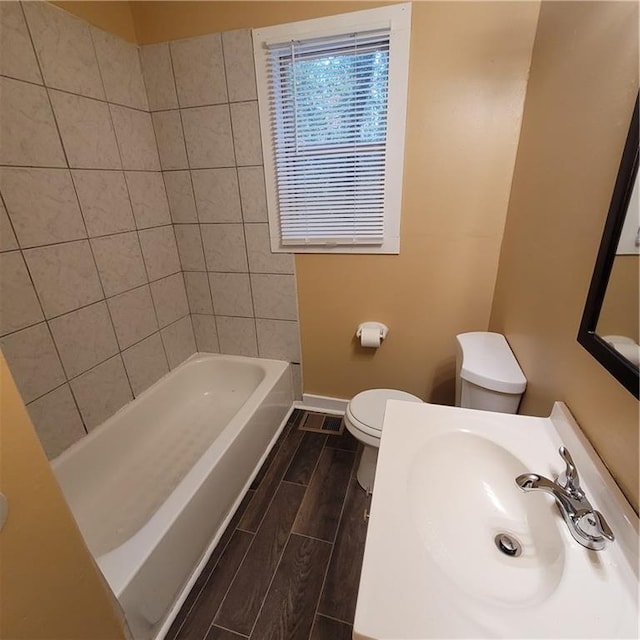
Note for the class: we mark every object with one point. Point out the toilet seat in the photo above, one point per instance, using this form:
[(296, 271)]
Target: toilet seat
[(365, 412)]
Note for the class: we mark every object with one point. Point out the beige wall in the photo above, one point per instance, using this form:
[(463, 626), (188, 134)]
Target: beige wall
[(110, 15), (469, 66), (468, 72), (584, 78), (619, 314), (161, 21), (50, 586)]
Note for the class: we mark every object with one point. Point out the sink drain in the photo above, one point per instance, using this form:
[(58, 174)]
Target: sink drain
[(508, 545)]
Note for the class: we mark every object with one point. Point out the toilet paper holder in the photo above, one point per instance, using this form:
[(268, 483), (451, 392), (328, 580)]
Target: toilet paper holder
[(379, 326)]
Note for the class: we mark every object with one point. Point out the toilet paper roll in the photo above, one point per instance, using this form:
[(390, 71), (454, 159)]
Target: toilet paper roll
[(370, 337)]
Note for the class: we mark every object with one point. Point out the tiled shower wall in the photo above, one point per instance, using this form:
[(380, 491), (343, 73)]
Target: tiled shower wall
[(202, 94), (93, 305)]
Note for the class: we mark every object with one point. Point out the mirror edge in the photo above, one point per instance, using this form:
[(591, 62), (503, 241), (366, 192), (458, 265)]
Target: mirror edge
[(625, 372)]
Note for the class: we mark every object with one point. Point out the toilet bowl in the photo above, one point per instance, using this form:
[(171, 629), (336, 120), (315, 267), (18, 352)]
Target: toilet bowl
[(363, 418), (488, 377)]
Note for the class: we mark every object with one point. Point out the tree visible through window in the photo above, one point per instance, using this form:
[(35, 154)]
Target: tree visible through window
[(326, 89)]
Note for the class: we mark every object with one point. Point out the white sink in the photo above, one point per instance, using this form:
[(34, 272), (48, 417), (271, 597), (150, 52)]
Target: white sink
[(445, 491)]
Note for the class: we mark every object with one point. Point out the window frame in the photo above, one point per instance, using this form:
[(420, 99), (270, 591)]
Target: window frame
[(397, 18)]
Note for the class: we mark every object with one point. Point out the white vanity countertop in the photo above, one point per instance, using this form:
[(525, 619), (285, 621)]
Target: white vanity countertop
[(445, 485)]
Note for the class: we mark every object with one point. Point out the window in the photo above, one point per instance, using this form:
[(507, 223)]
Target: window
[(332, 98)]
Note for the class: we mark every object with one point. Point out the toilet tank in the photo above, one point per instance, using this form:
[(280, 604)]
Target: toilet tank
[(488, 375)]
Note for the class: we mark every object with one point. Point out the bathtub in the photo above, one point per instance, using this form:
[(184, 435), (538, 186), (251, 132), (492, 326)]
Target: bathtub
[(154, 486)]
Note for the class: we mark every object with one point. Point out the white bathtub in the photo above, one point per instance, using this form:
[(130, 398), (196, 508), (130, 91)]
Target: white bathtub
[(154, 486)]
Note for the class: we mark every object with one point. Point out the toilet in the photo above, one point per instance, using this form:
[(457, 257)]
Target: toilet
[(488, 377)]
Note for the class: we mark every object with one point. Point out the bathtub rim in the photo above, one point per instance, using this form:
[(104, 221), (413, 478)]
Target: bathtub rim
[(195, 357)]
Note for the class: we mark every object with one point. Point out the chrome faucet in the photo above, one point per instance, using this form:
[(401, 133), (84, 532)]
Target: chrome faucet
[(586, 525)]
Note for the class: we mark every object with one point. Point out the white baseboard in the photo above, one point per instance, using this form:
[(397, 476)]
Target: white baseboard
[(325, 404)]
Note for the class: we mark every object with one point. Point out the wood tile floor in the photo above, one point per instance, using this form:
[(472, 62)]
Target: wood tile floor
[(288, 565)]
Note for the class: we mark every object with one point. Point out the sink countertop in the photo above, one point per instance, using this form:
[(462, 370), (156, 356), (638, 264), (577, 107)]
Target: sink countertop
[(445, 485)]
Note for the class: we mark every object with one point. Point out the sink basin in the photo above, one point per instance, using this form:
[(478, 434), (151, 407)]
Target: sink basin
[(459, 526), (456, 549)]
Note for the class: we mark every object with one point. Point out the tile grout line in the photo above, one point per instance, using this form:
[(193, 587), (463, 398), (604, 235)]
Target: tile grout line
[(286, 544), (324, 615), (279, 483), (92, 367), (219, 626), (85, 306), (235, 574), (82, 214), (144, 259), (74, 93), (335, 536), (195, 203), (207, 582), (197, 596), (244, 231), (264, 599), (64, 153)]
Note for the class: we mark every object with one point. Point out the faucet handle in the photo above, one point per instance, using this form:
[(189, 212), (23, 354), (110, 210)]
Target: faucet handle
[(569, 478), (593, 524)]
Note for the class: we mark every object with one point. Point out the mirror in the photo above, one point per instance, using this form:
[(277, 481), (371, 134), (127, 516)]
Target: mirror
[(609, 327)]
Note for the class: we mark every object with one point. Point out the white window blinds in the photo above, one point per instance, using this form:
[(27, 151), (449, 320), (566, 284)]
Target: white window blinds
[(328, 103)]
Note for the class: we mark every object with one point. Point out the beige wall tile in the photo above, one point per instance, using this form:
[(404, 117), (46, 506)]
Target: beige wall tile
[(190, 247), (274, 296), (238, 62), (159, 251), (261, 260), (17, 57), (57, 421), (158, 76), (65, 276), (133, 315), (296, 378), (33, 360), (179, 341), (19, 306), (224, 248), (136, 139), (65, 49), (206, 334), (171, 145), (278, 339), (42, 205), (119, 260), (27, 128), (199, 70), (252, 194), (145, 363), (170, 299), (104, 201), (180, 195), (231, 294), (84, 338), (217, 195), (198, 293), (207, 132), (8, 240), (86, 130), (120, 68), (148, 198), (246, 133), (102, 391), (237, 336)]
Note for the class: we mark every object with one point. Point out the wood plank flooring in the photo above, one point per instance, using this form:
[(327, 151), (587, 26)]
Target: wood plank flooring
[(288, 565)]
